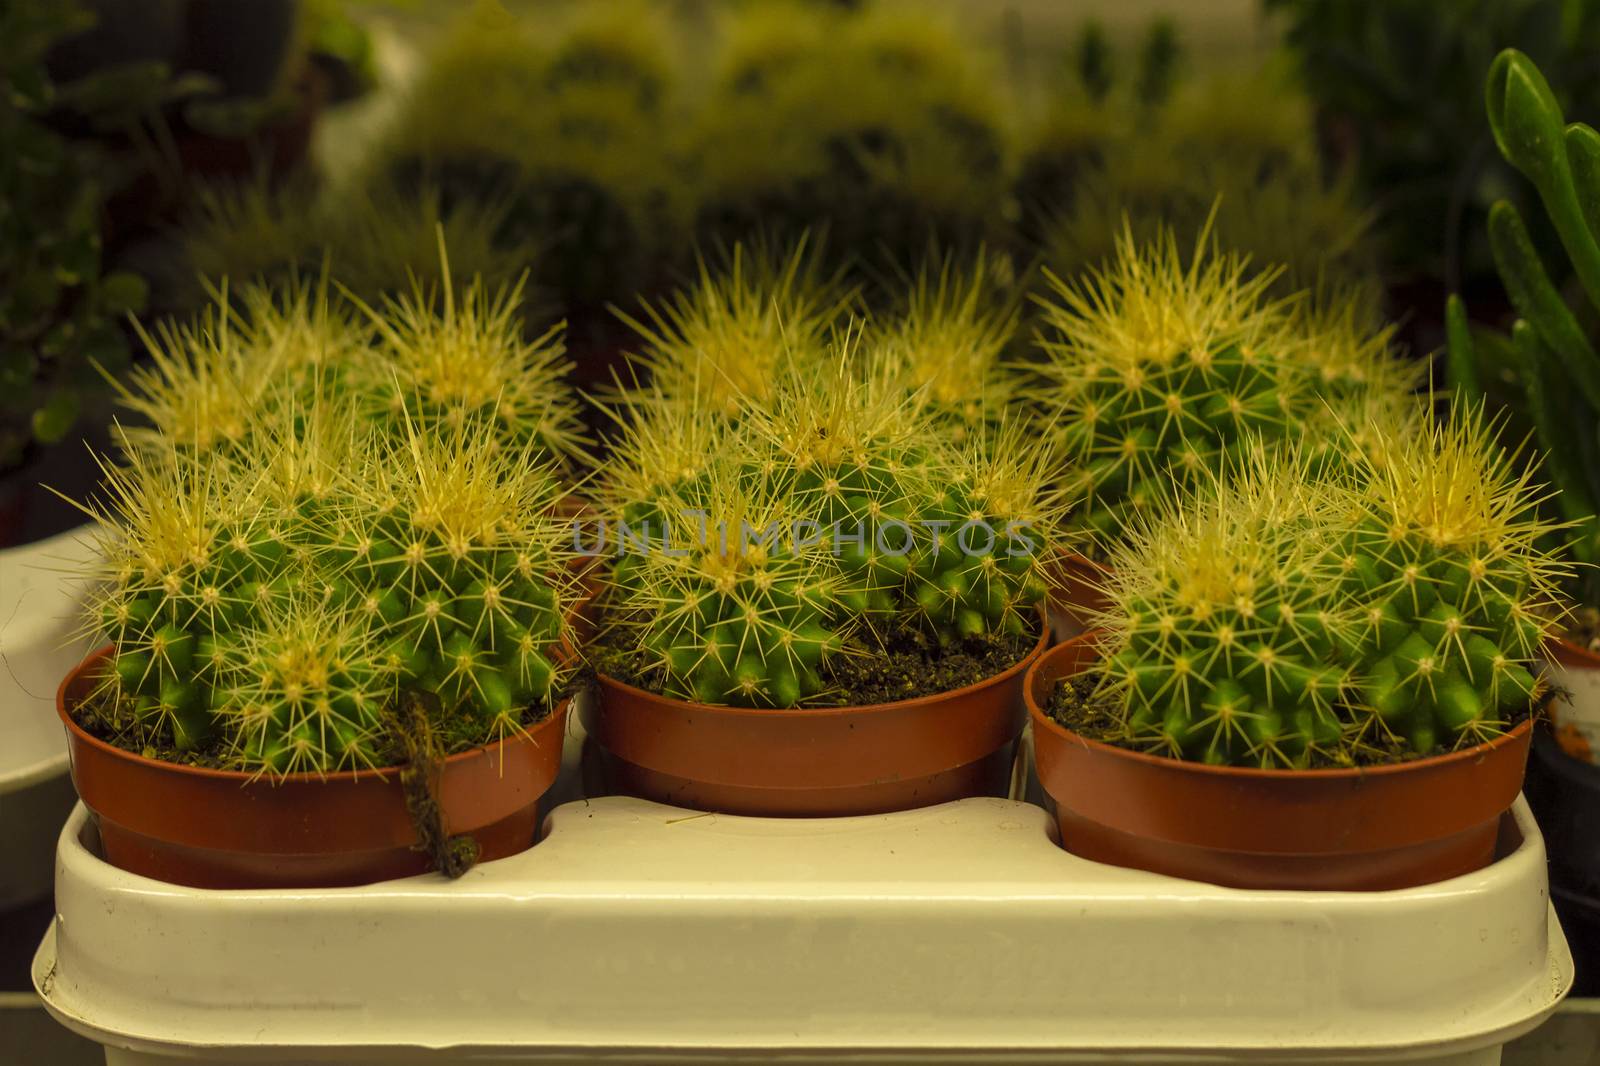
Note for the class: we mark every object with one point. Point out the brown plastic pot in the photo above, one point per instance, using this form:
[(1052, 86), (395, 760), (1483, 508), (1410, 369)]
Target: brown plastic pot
[(225, 829), (1078, 594), (1382, 827), (1572, 739), (818, 762), (1570, 655)]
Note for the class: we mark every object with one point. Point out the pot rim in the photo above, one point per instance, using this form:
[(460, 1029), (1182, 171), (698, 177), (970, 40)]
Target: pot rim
[(1587, 660), (1039, 717), (242, 777), (1030, 658)]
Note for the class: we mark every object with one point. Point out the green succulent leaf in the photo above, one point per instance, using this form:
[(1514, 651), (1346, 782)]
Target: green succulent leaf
[(1537, 300)]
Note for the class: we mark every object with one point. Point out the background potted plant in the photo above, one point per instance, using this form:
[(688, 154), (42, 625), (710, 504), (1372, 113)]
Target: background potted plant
[(1547, 373), (879, 127), (1310, 682), (1400, 117), (563, 142)]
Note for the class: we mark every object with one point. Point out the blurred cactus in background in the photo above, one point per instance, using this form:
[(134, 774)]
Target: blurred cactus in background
[(879, 126), (561, 139)]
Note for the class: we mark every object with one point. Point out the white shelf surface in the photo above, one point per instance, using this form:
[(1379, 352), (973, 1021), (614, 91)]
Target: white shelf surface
[(961, 933), (41, 588)]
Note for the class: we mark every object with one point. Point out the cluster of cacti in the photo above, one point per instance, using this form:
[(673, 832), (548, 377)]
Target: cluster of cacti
[(1163, 369), (1549, 365), (1278, 618), (269, 610), (832, 508), (325, 514)]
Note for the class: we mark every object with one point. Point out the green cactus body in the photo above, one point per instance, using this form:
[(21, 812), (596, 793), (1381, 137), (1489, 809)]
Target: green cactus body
[(1229, 645), (1163, 372), (454, 556), (732, 607), (1456, 595), (1289, 615)]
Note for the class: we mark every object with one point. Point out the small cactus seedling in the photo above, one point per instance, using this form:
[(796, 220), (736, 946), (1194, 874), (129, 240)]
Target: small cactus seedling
[(305, 689), (730, 605), (1227, 625), (452, 548)]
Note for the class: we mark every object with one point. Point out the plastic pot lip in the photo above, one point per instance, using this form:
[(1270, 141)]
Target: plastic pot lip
[(1070, 558), (1036, 654), (1049, 725), (1582, 658), (241, 777)]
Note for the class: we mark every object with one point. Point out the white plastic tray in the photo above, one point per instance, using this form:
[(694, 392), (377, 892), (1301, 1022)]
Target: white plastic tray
[(646, 934), (40, 591)]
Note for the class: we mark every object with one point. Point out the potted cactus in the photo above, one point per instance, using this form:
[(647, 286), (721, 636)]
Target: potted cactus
[(1163, 369), (338, 623), (818, 602), (1310, 681)]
